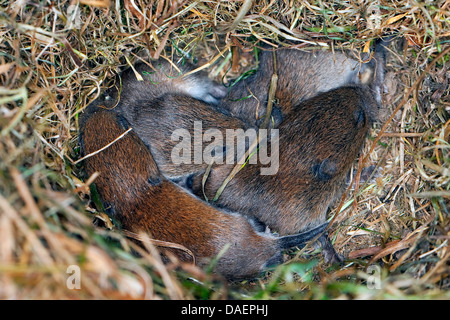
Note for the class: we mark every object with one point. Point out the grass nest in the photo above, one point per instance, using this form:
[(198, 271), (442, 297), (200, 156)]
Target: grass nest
[(57, 56)]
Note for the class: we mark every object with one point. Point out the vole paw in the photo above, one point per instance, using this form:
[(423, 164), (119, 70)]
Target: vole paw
[(330, 255)]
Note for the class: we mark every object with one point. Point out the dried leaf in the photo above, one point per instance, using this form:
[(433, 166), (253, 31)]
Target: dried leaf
[(395, 18)]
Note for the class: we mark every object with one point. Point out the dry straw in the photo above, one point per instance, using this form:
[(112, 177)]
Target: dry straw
[(57, 56)]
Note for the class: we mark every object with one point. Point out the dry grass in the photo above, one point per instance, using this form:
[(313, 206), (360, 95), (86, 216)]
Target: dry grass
[(52, 64)]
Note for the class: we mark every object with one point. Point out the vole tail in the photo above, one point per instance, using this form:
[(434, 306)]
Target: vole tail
[(300, 239)]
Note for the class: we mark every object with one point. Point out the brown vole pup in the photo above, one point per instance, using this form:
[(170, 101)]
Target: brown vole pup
[(141, 199), (302, 75)]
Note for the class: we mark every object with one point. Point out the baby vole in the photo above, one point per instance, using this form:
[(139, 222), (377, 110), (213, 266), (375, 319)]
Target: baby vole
[(140, 198), (318, 142), (302, 75)]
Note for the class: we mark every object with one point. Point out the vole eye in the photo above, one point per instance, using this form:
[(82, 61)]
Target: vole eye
[(154, 181), (325, 170)]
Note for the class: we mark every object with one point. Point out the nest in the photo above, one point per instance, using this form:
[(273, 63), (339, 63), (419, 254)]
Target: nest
[(56, 58)]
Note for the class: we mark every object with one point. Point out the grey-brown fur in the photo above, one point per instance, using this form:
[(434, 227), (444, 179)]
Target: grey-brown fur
[(301, 75), (318, 142)]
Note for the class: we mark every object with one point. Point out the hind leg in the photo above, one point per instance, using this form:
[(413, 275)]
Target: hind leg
[(329, 253)]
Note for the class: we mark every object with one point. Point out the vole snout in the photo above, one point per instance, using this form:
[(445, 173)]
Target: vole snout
[(207, 91)]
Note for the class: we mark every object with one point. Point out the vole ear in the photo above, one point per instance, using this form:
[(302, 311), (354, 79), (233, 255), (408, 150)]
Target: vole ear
[(326, 170), (359, 116), (154, 180)]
